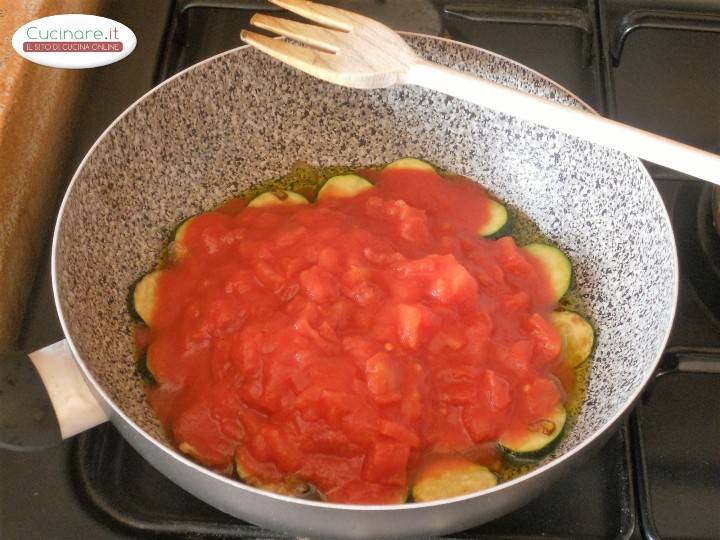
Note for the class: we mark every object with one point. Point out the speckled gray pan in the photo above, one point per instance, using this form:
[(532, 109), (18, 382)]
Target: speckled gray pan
[(239, 118)]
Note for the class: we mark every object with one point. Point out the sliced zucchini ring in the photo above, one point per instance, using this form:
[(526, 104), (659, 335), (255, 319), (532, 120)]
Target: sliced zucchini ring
[(144, 296), (410, 163), (541, 437), (343, 186), (556, 264), (278, 197), (451, 477), (576, 335), (292, 487), (498, 219)]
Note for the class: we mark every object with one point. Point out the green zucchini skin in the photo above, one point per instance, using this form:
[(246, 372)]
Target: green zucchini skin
[(538, 443), (451, 478), (411, 163), (279, 197), (576, 334), (343, 186), (142, 368), (498, 223), (557, 267)]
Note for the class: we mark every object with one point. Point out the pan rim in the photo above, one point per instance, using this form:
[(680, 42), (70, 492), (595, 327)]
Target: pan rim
[(170, 453)]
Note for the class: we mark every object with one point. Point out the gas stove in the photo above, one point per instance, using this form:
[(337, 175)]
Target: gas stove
[(650, 63)]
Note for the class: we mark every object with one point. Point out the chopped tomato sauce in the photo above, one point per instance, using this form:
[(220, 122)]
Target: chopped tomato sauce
[(346, 342)]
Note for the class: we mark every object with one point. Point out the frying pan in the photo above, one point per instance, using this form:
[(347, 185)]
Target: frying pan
[(240, 117)]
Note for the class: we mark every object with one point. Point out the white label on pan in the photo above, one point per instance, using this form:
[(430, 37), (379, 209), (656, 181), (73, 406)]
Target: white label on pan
[(74, 41)]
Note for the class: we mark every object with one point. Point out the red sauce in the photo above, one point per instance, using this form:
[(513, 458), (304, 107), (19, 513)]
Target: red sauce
[(346, 342)]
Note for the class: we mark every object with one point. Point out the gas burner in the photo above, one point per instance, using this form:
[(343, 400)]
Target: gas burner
[(698, 243)]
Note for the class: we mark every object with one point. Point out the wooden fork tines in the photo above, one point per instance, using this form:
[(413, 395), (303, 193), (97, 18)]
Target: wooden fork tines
[(343, 47)]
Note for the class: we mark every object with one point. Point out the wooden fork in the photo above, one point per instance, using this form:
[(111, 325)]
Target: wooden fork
[(352, 50)]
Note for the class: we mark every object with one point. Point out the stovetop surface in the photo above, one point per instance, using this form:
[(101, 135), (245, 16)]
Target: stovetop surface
[(652, 63)]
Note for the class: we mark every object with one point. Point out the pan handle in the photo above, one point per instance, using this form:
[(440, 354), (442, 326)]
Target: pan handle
[(44, 399)]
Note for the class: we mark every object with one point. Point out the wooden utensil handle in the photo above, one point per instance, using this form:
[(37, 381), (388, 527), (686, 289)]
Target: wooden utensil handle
[(591, 127)]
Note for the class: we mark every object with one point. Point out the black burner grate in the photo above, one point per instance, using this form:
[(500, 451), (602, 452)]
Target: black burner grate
[(677, 449), (698, 244)]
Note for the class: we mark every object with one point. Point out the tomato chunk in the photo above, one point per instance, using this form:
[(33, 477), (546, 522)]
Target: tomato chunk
[(542, 395), (386, 463), (546, 337), (383, 378)]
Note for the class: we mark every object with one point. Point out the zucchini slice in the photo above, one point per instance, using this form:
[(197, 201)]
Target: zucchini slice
[(498, 218), (576, 334), (556, 264), (144, 296), (450, 477), (292, 487), (541, 437), (344, 186), (278, 197), (410, 163)]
